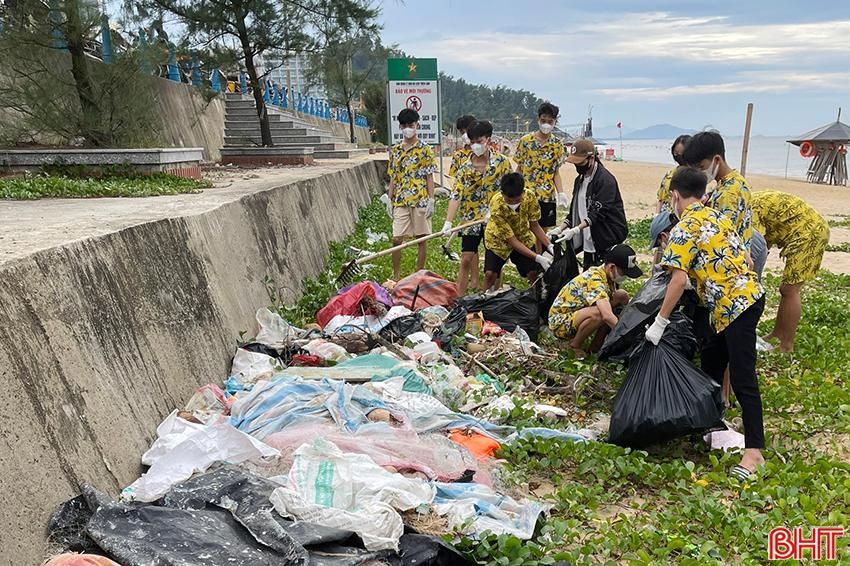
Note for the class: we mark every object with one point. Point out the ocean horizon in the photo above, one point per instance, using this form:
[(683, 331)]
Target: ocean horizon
[(767, 154)]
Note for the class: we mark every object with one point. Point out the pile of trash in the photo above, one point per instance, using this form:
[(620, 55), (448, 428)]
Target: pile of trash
[(367, 436), (362, 437)]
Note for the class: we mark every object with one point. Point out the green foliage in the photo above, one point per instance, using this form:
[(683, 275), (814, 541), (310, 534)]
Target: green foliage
[(639, 235), (108, 185), (842, 247), (500, 105), (845, 223)]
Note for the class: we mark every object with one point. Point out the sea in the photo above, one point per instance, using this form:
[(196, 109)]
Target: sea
[(767, 155)]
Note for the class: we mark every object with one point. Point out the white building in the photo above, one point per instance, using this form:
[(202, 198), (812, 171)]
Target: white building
[(294, 69)]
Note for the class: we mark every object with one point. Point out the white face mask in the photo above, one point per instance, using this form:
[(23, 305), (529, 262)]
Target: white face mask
[(464, 138), (478, 149), (711, 172), (546, 128), (408, 133), (618, 277), (514, 207)]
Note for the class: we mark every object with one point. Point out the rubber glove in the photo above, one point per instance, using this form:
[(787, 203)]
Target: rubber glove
[(556, 231), (447, 226), (568, 235), (654, 332), (544, 262), (429, 211), (551, 249), (563, 202)]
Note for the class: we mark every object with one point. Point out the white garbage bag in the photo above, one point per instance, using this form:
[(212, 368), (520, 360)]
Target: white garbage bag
[(251, 367), (274, 331), (349, 491)]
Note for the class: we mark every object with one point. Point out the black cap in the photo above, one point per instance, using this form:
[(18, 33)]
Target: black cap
[(624, 257)]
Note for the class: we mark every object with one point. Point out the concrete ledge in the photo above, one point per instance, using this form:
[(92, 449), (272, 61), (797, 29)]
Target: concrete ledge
[(255, 155), (103, 336), (180, 161)]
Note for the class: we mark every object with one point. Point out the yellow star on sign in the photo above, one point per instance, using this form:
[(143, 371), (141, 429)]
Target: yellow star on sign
[(411, 68)]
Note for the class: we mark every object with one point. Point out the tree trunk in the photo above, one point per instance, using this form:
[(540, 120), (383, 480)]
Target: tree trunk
[(350, 121), (258, 90), (90, 111)]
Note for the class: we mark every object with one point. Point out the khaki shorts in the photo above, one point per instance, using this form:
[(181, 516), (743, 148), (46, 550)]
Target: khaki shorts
[(409, 221)]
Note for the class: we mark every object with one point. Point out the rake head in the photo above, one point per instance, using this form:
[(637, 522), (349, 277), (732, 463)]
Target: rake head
[(349, 273), (449, 253)]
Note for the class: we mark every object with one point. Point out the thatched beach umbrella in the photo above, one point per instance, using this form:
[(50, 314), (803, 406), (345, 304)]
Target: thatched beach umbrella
[(828, 146)]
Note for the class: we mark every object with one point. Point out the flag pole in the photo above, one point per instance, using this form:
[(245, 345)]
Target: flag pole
[(620, 127)]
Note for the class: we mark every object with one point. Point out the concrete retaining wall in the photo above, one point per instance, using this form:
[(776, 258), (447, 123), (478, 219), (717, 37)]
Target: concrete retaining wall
[(339, 129), (100, 339), (187, 120)]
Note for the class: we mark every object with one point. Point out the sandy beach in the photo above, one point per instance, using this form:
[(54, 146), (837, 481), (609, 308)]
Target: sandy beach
[(639, 184)]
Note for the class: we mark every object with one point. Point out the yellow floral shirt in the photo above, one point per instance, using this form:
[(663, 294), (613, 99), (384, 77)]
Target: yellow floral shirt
[(783, 218), (459, 157), (732, 199), (539, 164), (474, 189), (664, 192), (408, 170), (705, 244), (505, 223), (583, 291)]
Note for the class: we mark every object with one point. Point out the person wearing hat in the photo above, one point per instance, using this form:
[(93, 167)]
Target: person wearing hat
[(659, 232), (597, 218), (705, 247), (586, 304)]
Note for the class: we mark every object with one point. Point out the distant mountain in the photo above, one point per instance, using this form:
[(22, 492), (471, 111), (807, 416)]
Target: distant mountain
[(610, 132), (657, 132)]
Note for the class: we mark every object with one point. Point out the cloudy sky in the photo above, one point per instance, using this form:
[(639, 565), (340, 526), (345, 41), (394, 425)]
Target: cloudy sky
[(691, 64)]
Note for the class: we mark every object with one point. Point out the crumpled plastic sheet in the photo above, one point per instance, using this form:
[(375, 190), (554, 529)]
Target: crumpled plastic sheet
[(369, 367), (274, 331), (724, 440), (272, 406), (208, 404), (349, 491), (473, 509), (185, 448), (342, 324), (540, 432), (250, 367), (431, 454)]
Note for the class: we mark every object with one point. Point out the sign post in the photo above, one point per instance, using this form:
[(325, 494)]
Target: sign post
[(414, 84)]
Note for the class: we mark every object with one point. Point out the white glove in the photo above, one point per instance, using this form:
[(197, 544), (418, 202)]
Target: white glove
[(654, 332), (390, 208), (429, 211), (544, 262), (562, 200), (447, 227), (568, 235), (487, 217), (556, 231), (551, 249)]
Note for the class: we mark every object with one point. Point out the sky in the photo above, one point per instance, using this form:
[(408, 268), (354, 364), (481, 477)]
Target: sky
[(690, 64)]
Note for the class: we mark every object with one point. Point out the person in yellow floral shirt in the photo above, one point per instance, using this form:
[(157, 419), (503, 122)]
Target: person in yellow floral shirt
[(801, 234), (705, 247), (476, 182), (512, 231), (539, 156), (411, 191), (462, 154), (586, 304), (677, 149)]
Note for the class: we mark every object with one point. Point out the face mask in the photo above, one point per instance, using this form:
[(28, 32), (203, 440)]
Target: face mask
[(408, 133), (464, 138), (711, 172), (546, 129), (619, 279), (479, 149), (583, 169), (514, 207)]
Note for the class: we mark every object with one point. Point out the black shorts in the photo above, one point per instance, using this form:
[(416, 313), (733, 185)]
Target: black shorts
[(548, 218), (524, 265), (471, 242)]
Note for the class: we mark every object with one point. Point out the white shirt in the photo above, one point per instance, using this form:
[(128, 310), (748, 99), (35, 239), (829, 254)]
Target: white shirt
[(584, 239)]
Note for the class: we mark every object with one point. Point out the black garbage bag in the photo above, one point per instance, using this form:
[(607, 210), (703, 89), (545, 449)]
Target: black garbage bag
[(564, 269), (454, 325), (401, 328), (631, 325), (509, 309), (664, 396)]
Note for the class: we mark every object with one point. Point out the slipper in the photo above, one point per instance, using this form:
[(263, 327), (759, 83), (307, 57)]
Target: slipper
[(740, 473)]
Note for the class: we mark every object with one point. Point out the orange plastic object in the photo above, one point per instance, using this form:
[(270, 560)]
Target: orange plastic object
[(480, 446)]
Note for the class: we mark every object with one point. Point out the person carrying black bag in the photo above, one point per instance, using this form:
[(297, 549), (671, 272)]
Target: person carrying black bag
[(597, 218)]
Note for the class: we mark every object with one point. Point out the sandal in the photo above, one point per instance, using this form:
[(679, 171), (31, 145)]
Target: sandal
[(740, 473)]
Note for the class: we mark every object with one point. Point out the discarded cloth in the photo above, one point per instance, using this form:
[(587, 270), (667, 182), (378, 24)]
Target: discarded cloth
[(328, 351), (349, 491), (186, 450), (358, 299), (474, 509), (424, 289), (381, 294), (370, 324)]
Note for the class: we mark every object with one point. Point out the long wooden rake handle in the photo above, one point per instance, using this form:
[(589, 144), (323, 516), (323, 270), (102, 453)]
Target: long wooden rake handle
[(417, 241)]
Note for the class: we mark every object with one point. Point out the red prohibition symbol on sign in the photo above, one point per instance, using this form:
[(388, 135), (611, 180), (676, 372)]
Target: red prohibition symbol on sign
[(414, 103)]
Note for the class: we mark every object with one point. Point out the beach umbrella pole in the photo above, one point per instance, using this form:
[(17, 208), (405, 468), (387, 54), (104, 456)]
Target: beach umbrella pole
[(746, 148)]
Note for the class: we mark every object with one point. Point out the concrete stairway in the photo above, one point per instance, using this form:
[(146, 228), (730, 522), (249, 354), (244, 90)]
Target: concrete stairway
[(242, 129)]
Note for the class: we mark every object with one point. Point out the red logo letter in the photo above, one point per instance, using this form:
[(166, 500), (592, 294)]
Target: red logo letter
[(779, 544), (831, 534), (812, 543)]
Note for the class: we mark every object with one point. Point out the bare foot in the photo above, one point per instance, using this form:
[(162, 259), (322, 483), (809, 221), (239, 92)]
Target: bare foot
[(752, 459), (786, 348), (580, 354)]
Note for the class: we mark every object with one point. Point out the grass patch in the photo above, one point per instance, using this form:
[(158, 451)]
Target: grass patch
[(674, 503), (639, 235), (842, 247), (31, 187), (845, 223)]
